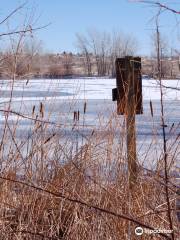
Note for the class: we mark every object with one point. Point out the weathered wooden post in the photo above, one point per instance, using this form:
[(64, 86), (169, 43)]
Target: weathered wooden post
[(128, 95)]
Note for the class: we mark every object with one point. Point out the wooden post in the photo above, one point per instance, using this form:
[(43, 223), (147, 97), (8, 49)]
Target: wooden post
[(130, 121), (128, 95), (129, 102)]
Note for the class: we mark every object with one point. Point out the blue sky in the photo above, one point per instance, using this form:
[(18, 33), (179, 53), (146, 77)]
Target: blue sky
[(68, 17)]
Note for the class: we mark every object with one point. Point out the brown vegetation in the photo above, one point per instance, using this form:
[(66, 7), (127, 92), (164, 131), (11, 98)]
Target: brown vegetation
[(53, 188)]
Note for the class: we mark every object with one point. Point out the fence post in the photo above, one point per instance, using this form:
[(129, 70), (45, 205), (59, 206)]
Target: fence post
[(130, 121), (129, 102)]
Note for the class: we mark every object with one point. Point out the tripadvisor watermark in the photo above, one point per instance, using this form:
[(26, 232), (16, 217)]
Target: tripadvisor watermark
[(140, 231)]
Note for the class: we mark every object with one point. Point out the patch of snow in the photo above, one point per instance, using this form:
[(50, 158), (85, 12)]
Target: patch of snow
[(86, 88)]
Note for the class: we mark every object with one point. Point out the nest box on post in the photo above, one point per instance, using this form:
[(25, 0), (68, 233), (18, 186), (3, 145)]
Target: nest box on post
[(128, 95), (129, 84)]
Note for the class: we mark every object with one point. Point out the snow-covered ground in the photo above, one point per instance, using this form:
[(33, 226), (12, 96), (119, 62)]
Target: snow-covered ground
[(88, 88), (62, 97)]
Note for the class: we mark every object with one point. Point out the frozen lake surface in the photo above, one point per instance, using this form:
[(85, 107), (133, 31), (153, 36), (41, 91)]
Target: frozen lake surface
[(89, 88), (61, 97)]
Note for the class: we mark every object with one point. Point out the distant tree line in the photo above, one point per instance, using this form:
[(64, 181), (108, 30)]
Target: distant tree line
[(96, 56)]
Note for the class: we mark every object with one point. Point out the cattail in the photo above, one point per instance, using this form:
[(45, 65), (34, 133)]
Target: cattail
[(75, 116), (78, 114), (27, 81), (85, 105), (36, 118), (49, 138), (151, 107), (33, 110), (41, 110)]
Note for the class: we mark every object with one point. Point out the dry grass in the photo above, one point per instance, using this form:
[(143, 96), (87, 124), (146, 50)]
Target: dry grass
[(62, 190)]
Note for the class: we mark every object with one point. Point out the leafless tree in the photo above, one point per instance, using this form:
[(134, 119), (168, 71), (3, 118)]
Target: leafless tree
[(159, 49), (100, 46), (17, 60), (82, 45), (121, 45), (164, 54), (67, 63), (105, 47), (28, 58)]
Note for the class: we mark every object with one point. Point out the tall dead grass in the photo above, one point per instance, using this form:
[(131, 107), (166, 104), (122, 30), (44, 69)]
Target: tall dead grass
[(59, 187)]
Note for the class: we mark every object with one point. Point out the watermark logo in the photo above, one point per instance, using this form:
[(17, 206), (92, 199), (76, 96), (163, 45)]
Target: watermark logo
[(139, 231)]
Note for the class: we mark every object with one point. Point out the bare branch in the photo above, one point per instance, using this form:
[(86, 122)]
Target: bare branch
[(159, 4), (30, 29), (12, 13)]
